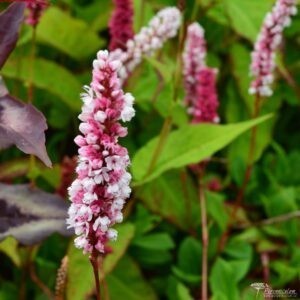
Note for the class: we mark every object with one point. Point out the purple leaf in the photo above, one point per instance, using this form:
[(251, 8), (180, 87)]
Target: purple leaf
[(30, 214), (22, 125), (10, 21)]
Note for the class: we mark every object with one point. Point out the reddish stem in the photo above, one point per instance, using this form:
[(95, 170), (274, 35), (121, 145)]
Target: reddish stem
[(94, 262), (205, 239)]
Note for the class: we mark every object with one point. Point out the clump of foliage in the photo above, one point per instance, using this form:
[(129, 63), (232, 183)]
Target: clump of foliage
[(214, 207)]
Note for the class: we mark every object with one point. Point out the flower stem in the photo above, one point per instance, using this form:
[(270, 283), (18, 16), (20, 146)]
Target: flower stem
[(30, 98), (247, 176), (168, 121), (250, 159), (161, 142), (31, 70), (205, 239), (95, 265)]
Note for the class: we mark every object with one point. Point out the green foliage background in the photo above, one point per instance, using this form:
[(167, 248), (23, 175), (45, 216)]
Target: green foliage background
[(158, 253)]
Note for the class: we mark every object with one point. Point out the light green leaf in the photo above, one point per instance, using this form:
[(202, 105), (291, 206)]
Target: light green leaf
[(49, 76), (247, 15), (80, 275), (10, 247), (187, 145), (67, 34), (183, 292), (125, 235)]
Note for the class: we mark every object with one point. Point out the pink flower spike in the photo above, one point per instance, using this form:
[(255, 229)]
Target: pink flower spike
[(121, 24), (204, 109), (267, 43), (102, 184), (36, 8), (199, 80), (161, 27), (194, 55)]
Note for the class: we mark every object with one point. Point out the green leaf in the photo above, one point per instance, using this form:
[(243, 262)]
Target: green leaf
[(125, 235), (14, 168), (221, 282), (240, 253), (10, 247), (49, 76), (286, 272), (187, 145), (154, 241), (247, 16), (216, 209), (241, 59), (80, 281), (176, 290), (183, 292), (67, 34), (144, 221), (164, 100), (165, 72), (151, 258), (126, 282), (79, 264), (174, 197), (189, 256)]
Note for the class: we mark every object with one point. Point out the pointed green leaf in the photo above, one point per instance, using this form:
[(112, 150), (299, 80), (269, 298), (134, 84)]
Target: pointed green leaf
[(72, 36), (49, 76), (187, 145)]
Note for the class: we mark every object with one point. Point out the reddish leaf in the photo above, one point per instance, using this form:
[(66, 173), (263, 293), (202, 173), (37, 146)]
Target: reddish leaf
[(10, 21), (30, 214), (22, 125)]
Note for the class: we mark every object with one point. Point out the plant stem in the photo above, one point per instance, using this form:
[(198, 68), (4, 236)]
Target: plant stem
[(247, 176), (30, 96), (168, 121), (95, 265), (161, 142), (250, 160), (31, 66), (205, 239), (274, 220)]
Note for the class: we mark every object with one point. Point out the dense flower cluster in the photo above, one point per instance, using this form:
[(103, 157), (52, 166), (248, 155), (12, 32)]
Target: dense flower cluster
[(193, 60), (162, 27), (121, 24), (204, 109), (35, 10), (102, 183), (268, 41), (199, 80)]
